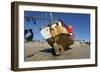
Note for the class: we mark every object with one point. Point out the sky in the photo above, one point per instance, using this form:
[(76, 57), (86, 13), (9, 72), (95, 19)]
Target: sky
[(79, 21)]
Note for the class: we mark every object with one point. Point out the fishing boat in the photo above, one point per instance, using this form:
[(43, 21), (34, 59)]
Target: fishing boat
[(59, 36)]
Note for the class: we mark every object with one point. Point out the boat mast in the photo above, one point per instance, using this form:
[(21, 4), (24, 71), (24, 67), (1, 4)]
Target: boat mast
[(51, 18)]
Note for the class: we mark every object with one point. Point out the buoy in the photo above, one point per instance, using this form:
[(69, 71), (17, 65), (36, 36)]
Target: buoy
[(69, 28)]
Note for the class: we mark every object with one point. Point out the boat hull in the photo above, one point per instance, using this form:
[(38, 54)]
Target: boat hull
[(65, 40)]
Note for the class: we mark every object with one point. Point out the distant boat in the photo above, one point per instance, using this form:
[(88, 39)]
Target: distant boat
[(28, 34)]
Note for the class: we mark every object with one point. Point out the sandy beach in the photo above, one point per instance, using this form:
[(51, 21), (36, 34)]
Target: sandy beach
[(41, 51)]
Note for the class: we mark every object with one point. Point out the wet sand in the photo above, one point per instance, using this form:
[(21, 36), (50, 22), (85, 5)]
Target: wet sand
[(35, 51)]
